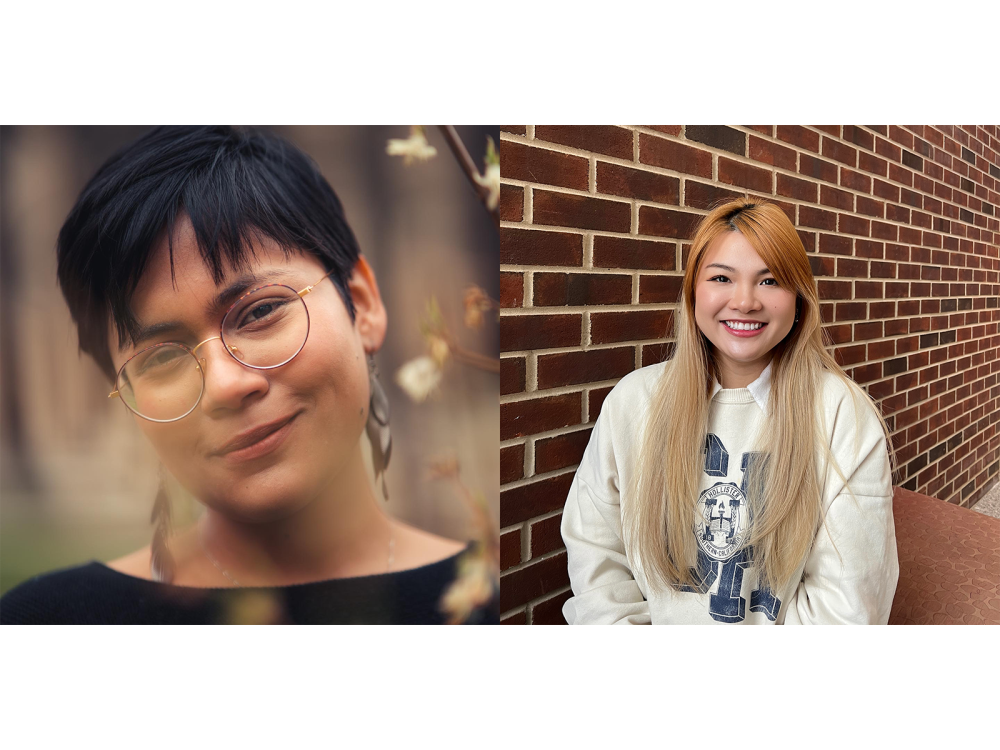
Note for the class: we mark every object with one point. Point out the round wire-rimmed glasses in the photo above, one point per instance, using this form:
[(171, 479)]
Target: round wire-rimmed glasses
[(264, 329)]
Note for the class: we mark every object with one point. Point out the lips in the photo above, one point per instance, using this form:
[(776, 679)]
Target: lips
[(253, 437), (744, 328)]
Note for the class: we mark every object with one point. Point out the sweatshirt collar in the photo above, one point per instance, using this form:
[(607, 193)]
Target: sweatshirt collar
[(760, 389)]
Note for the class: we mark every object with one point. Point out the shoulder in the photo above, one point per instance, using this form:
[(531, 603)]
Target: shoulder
[(634, 391), (844, 403), (415, 547), (52, 598)]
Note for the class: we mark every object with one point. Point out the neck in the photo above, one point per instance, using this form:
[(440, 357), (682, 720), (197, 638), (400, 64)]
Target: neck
[(740, 374), (342, 532)]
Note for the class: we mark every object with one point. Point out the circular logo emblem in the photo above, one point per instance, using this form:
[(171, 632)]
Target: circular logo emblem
[(725, 520)]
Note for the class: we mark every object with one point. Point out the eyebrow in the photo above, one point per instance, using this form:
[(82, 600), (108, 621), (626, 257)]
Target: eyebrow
[(222, 301), (733, 270)]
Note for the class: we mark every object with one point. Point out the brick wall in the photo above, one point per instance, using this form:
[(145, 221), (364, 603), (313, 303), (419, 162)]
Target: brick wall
[(902, 229)]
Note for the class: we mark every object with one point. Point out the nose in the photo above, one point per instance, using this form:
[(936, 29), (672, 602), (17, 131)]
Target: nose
[(744, 297), (229, 385)]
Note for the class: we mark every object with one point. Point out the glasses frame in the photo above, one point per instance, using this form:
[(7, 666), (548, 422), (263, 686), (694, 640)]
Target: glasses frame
[(201, 362)]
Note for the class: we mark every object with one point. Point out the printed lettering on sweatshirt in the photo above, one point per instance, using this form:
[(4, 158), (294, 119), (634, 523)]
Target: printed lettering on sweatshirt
[(722, 533)]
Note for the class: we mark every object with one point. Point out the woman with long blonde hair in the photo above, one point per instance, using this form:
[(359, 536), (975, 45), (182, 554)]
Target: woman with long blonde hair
[(747, 479)]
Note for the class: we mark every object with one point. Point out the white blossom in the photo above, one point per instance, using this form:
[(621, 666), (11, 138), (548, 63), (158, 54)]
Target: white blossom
[(413, 148), (491, 181), (419, 377)]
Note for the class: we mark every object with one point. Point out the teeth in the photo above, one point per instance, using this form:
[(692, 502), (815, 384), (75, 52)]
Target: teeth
[(742, 326)]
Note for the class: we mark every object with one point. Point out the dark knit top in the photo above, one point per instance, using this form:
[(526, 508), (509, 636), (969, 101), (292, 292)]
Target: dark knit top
[(94, 594)]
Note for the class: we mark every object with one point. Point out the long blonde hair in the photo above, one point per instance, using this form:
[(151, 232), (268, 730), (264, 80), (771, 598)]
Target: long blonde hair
[(785, 491)]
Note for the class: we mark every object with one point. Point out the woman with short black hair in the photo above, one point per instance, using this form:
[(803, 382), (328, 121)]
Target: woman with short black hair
[(213, 276)]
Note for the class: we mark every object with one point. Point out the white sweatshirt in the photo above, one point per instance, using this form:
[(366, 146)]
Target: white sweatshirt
[(849, 574)]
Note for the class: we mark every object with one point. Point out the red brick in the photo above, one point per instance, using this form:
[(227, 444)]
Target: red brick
[(604, 139), (868, 290), (818, 168), (851, 311), (872, 330), (612, 327), (549, 612), (659, 152), (653, 354), (511, 463), (870, 207), (840, 152), (516, 129), (834, 290), (899, 174), (668, 129), (623, 252), (799, 136), (886, 190), (872, 164), (744, 175), (833, 130), (560, 451), (580, 212), (545, 536), (772, 153), (534, 248), (637, 184), (510, 549), (859, 137), (845, 356), (665, 222), (855, 180), (595, 400), (831, 196), (834, 244), (889, 150), (854, 225), (581, 289), (511, 375), (522, 332), (529, 417), (821, 266), (839, 334), (868, 249), (793, 187), (532, 581), (570, 368), (511, 203), (818, 218), (540, 165), (511, 289), (653, 289), (852, 267), (700, 195), (901, 136)]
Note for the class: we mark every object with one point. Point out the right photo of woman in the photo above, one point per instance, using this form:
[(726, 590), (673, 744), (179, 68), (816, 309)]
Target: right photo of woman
[(749, 374)]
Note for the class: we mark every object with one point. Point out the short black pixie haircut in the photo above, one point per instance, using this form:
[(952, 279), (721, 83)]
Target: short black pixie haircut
[(237, 186)]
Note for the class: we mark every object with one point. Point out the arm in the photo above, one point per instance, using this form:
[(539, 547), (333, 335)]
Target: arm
[(851, 571), (604, 590)]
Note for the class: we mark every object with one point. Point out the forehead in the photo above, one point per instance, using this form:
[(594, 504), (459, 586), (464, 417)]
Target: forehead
[(732, 249), (187, 286)]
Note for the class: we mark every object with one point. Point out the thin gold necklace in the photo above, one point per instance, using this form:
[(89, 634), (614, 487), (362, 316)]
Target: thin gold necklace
[(232, 579)]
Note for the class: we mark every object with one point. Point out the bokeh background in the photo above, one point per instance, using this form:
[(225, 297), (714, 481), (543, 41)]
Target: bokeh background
[(77, 480)]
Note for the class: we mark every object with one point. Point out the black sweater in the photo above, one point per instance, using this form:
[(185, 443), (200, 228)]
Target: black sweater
[(94, 594)]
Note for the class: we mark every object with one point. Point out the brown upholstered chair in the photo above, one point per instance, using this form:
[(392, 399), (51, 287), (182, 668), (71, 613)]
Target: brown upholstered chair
[(949, 563)]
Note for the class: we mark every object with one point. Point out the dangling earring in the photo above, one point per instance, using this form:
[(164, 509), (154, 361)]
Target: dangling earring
[(161, 564), (378, 426)]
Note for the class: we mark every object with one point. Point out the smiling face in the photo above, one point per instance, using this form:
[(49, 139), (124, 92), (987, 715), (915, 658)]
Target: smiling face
[(261, 444), (740, 308)]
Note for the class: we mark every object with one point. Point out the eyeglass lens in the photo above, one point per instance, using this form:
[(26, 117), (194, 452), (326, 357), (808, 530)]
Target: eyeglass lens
[(265, 329)]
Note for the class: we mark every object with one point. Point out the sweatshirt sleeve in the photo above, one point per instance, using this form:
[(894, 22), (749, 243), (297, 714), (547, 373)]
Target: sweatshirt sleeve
[(604, 589), (851, 572)]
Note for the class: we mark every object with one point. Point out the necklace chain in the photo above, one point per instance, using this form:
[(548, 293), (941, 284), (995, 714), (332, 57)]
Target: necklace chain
[(232, 579)]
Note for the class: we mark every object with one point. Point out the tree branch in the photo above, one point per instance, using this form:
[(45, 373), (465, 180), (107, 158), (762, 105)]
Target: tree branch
[(469, 167)]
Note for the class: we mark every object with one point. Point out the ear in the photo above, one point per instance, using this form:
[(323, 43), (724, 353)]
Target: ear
[(370, 319)]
